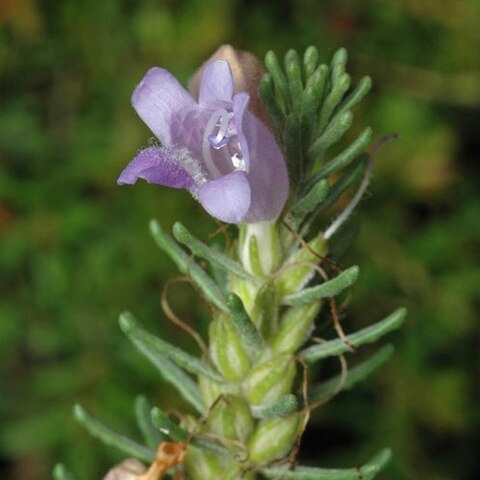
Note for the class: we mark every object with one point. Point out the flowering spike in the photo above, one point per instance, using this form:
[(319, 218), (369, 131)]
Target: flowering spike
[(216, 143)]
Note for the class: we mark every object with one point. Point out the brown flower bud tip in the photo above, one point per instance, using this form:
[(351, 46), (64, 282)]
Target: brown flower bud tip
[(247, 71), (168, 455), (129, 469)]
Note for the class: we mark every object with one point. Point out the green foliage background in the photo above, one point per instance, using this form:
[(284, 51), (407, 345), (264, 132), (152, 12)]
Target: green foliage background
[(75, 250)]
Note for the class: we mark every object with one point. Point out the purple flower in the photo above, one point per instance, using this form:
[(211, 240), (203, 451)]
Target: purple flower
[(215, 148)]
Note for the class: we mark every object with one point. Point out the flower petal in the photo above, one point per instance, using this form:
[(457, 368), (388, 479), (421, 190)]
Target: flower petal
[(156, 165), (216, 86), (226, 198), (267, 173), (240, 103), (160, 100)]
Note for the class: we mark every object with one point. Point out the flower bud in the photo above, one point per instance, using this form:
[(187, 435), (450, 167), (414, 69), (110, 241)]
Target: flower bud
[(247, 71), (226, 349), (202, 465), (264, 313), (129, 469), (273, 438), (295, 327), (231, 418), (297, 272), (209, 390), (259, 248), (270, 380)]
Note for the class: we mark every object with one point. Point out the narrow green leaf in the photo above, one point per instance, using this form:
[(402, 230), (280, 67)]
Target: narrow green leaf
[(294, 76), (148, 341), (338, 64), (110, 437), (279, 79), (264, 313), (339, 88), (275, 113), (150, 434), (171, 373), (61, 473), (357, 95), (344, 238), (339, 187), (178, 434), (312, 98), (344, 158), (344, 183), (309, 202), (202, 250), (167, 427), (283, 407), (367, 335), (186, 265), (293, 148), (300, 266), (355, 375), (327, 289), (315, 88), (254, 257), (310, 60), (366, 472), (251, 338), (332, 134)]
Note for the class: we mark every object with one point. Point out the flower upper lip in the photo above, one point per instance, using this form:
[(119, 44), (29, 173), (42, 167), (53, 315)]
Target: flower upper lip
[(214, 147)]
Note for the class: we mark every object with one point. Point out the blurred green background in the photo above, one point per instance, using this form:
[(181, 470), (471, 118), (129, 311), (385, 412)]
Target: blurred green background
[(75, 250)]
